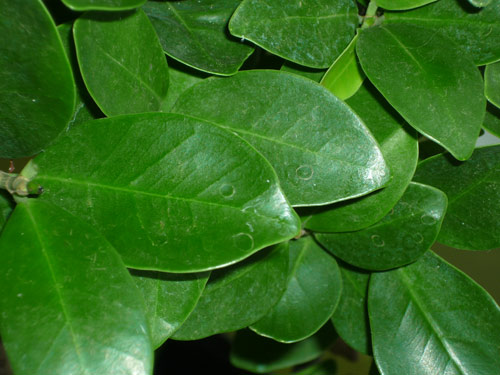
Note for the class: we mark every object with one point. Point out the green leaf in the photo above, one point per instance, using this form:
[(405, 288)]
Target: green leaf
[(319, 148), (492, 120), (492, 83), (399, 146), (345, 76), (304, 71), (37, 92), (326, 367), (115, 5), (6, 207), (68, 303), (350, 318), (480, 3), (120, 79), (430, 318), (262, 355), (313, 291), (399, 238), (306, 32), (195, 33), (475, 32), (170, 298), (192, 197), (472, 221), (239, 295), (402, 4), (406, 62)]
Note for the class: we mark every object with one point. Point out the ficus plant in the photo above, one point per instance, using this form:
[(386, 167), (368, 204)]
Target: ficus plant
[(251, 168)]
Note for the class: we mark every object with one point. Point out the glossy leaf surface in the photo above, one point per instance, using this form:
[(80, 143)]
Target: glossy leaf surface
[(313, 291), (262, 355), (402, 236), (306, 32), (401, 61), (399, 147), (472, 221), (350, 318), (73, 307), (475, 32), (195, 197), (402, 4), (239, 295), (37, 92), (492, 83), (480, 3), (115, 5), (319, 148), (170, 298), (195, 33), (119, 79), (345, 76), (492, 120), (430, 318)]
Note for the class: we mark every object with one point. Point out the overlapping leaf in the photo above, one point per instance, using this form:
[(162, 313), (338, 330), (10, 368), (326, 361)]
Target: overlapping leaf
[(492, 120), (37, 91), (313, 291), (83, 5), (402, 4), (306, 32), (399, 146), (195, 33), (72, 307), (170, 298), (169, 192), (301, 70), (492, 83), (430, 82), (473, 31), (120, 79), (320, 149), (6, 207), (472, 220), (430, 318), (237, 296), (399, 238)]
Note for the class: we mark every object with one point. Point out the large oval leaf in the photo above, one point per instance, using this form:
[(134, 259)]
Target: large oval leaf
[(37, 91), (492, 83), (313, 291), (402, 4), (475, 32), (430, 318), (170, 298), (307, 32), (238, 296), (319, 148), (82, 5), (406, 62), (262, 355), (120, 79), (399, 238), (399, 146), (195, 33), (169, 192), (472, 220), (68, 303)]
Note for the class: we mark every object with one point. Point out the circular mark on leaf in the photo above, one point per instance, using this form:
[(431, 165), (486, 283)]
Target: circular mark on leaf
[(377, 240), (304, 172), (243, 241), (227, 190), (428, 219)]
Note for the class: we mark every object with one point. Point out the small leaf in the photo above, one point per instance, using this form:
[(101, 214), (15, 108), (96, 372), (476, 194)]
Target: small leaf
[(319, 148), (262, 355), (476, 33), (171, 193), (399, 238), (472, 221), (68, 303), (345, 76), (37, 92), (170, 298), (120, 79), (430, 318), (398, 143), (350, 318), (492, 120), (239, 295), (306, 32), (325, 367), (195, 33), (406, 62), (492, 83), (313, 291), (402, 4), (115, 5)]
